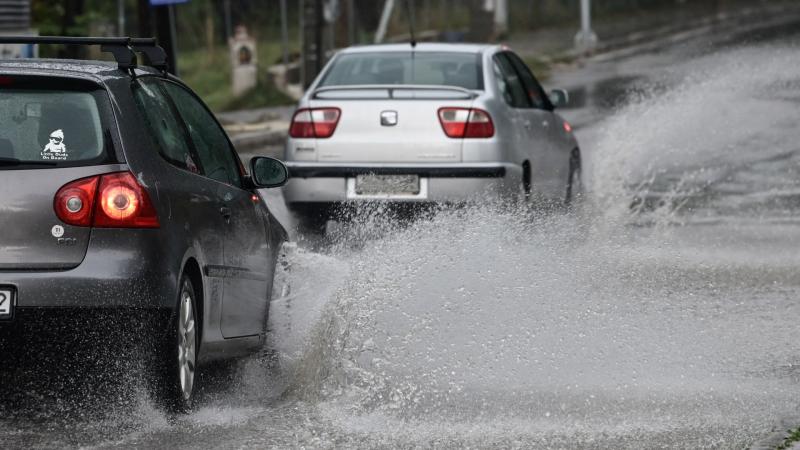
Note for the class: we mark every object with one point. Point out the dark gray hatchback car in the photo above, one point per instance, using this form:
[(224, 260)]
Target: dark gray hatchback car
[(120, 191)]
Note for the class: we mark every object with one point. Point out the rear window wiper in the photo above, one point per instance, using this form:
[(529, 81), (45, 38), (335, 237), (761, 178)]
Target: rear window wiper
[(19, 162)]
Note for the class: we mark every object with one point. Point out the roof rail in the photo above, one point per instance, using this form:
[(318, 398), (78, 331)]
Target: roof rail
[(155, 54), (122, 48)]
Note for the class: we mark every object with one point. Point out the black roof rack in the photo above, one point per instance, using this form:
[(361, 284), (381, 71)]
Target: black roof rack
[(123, 48)]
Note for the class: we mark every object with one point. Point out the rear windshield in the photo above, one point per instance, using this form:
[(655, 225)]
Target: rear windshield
[(406, 68), (45, 127)]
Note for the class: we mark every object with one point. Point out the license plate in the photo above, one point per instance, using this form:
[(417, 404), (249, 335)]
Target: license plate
[(6, 303), (387, 184)]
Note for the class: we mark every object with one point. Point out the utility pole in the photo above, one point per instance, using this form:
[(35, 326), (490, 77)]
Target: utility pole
[(284, 35), (163, 17), (120, 17), (586, 39), (351, 22), (228, 19), (444, 15), (313, 24), (384, 23), (173, 38), (331, 11), (500, 18)]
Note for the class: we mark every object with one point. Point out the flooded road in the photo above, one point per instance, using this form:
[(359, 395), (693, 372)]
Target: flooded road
[(659, 314)]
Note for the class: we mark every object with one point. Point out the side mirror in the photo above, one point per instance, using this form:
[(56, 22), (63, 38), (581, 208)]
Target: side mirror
[(559, 98), (268, 172)]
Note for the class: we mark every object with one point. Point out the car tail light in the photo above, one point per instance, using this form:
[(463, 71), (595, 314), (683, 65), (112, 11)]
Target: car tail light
[(314, 122), (466, 123), (123, 203), (114, 200), (74, 202)]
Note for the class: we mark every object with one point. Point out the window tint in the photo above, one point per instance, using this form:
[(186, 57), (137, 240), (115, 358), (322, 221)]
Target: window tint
[(164, 125), (509, 83), (536, 94), (216, 155), (406, 68), (56, 126)]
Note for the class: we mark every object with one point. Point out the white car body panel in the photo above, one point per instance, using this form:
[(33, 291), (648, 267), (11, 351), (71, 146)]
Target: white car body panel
[(452, 169)]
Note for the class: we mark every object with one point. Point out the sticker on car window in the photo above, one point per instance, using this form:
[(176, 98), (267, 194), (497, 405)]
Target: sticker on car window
[(55, 150)]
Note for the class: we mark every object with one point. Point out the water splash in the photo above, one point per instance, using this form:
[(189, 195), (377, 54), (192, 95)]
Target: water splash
[(710, 135), (487, 326)]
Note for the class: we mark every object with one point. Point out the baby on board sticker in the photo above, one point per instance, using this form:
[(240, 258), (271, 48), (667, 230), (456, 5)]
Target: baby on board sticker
[(55, 149)]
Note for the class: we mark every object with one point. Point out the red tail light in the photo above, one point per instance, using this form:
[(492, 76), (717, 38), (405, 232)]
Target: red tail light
[(314, 122), (114, 200), (74, 202), (466, 123)]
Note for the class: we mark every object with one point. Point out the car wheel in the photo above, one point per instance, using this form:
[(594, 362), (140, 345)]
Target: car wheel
[(524, 195), (575, 179), (179, 371)]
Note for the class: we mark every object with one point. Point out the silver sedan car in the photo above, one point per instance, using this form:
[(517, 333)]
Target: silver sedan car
[(428, 123)]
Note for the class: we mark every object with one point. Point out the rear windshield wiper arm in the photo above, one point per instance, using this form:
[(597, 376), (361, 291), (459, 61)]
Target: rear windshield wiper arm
[(19, 162)]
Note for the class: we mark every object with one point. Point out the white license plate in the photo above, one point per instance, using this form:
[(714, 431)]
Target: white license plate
[(387, 184), (6, 303)]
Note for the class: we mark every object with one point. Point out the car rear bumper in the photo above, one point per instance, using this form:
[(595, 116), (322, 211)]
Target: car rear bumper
[(122, 268), (321, 183), (48, 324)]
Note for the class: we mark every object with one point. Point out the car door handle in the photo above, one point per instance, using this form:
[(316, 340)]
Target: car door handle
[(225, 212), (527, 125)]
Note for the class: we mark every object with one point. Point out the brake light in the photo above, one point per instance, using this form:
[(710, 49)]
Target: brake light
[(567, 127), (314, 122), (466, 123), (74, 202), (114, 200), (123, 203)]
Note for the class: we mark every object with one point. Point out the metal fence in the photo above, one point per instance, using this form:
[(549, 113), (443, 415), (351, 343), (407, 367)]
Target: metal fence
[(15, 15)]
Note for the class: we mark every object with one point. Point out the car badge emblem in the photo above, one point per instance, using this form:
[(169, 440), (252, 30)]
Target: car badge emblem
[(389, 118)]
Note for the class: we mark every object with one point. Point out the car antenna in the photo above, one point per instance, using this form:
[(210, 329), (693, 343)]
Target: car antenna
[(410, 11)]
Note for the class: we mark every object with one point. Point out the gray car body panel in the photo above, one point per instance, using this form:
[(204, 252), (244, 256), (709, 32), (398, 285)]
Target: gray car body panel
[(141, 268), (523, 137)]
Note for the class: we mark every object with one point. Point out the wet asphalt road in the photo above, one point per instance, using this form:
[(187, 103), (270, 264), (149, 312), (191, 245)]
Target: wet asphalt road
[(669, 325)]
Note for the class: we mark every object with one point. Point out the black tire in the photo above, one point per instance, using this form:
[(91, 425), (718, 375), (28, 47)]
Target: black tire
[(527, 184), (177, 377), (574, 178)]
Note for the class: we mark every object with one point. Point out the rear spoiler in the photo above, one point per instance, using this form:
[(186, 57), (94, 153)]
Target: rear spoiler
[(392, 91)]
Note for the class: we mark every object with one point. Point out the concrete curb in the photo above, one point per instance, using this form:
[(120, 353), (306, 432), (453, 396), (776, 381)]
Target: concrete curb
[(775, 438), (247, 142), (251, 129)]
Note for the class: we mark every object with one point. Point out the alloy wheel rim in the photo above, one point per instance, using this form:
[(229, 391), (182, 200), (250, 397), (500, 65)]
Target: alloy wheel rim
[(186, 345)]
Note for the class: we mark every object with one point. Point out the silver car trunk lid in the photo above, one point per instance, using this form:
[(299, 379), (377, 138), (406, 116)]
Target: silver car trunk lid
[(399, 125), (32, 237)]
